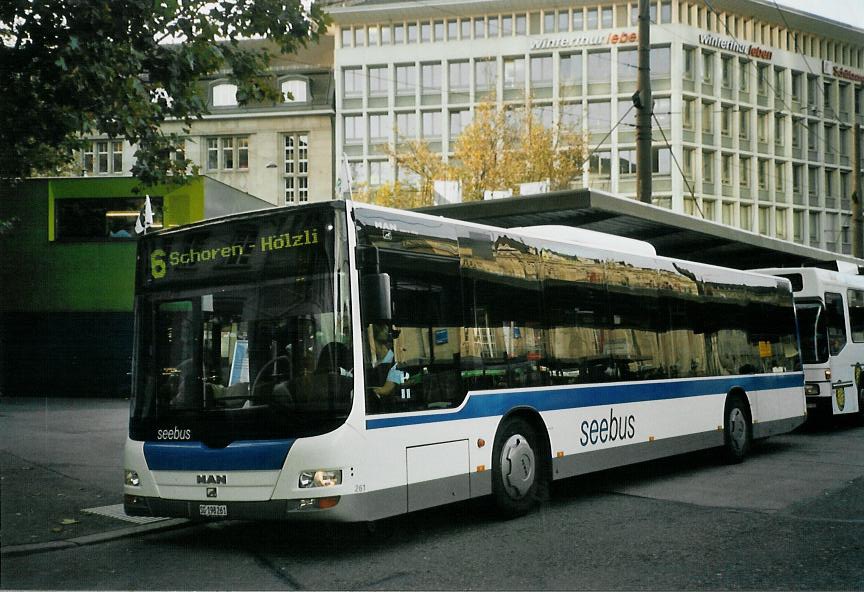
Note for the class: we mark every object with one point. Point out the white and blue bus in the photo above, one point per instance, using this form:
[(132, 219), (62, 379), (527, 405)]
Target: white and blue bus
[(341, 361), (830, 310)]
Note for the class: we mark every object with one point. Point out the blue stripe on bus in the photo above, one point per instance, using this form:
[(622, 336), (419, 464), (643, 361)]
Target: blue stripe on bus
[(498, 403), (251, 455)]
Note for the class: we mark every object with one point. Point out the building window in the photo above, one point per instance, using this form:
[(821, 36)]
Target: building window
[(746, 212), (726, 169), (688, 63), (708, 167), (779, 130), (796, 87), (431, 125), (116, 157), (86, 219), (571, 70), (484, 75), (379, 128), (353, 129), (762, 126), (406, 79), (762, 79), (227, 153), (296, 168), (102, 157), (460, 76), (430, 79), (352, 79), (627, 161), (687, 113), (514, 73), (600, 164), (726, 121), (660, 60), (578, 19), (726, 72), (599, 116), (406, 125), (661, 161), (628, 65), (378, 78), (780, 177), (379, 172), (744, 76), (507, 25), (606, 17), (599, 70), (707, 67), (459, 120), (541, 71), (744, 173), (708, 118), (295, 91), (224, 95), (762, 174), (797, 175), (744, 124)]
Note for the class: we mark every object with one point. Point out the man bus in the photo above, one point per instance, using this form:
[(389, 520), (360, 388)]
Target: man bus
[(521, 359)]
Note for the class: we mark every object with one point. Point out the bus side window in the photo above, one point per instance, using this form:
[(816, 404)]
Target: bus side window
[(856, 314), (836, 322)]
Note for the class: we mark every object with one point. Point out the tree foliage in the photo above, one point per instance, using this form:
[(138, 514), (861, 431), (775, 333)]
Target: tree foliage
[(123, 67), (498, 150)]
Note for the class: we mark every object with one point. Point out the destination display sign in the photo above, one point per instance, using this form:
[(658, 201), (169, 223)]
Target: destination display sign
[(250, 245)]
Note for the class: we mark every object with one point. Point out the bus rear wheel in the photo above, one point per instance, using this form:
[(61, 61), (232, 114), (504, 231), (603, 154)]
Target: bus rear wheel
[(737, 430), (516, 468)]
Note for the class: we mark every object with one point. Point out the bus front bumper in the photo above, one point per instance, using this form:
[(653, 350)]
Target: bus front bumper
[(308, 508)]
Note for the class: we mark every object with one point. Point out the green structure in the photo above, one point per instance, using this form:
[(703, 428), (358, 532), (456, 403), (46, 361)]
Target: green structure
[(67, 270)]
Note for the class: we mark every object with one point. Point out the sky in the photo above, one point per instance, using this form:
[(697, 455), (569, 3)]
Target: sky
[(844, 11)]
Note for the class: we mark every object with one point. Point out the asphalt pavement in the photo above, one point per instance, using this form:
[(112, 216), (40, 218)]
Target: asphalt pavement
[(61, 474)]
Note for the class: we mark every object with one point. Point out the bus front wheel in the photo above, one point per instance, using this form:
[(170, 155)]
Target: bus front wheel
[(516, 470), (737, 430)]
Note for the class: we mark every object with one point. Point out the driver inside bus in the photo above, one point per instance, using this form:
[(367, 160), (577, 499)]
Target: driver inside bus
[(385, 372)]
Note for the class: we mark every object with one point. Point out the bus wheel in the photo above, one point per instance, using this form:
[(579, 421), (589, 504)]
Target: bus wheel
[(516, 473), (737, 430)]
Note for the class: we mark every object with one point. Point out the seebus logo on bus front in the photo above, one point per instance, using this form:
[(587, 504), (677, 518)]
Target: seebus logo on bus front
[(615, 428), (174, 433)]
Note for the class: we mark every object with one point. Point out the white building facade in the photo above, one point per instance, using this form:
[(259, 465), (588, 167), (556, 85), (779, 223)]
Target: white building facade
[(756, 105)]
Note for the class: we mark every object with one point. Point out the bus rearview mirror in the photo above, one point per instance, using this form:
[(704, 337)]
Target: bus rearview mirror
[(376, 302)]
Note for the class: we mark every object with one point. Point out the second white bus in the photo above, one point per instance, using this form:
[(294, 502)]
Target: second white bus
[(830, 306)]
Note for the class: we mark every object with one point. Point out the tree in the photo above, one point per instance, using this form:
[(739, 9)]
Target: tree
[(70, 68), (497, 150)]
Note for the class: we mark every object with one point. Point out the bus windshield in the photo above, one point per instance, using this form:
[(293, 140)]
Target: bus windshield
[(813, 332), (242, 349)]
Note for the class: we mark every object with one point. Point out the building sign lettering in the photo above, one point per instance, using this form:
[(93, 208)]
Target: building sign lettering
[(736, 46), (832, 69), (585, 40)]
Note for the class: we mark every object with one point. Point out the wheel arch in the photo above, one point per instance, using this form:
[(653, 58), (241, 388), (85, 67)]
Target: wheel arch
[(738, 393)]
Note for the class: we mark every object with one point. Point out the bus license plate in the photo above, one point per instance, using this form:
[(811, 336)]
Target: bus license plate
[(213, 510)]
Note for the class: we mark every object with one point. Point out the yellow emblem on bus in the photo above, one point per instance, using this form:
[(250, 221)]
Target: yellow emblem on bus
[(840, 395)]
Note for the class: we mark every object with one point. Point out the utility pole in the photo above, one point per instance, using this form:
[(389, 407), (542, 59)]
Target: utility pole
[(644, 104), (857, 226)]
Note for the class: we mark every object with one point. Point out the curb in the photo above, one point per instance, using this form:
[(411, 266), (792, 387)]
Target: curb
[(92, 539)]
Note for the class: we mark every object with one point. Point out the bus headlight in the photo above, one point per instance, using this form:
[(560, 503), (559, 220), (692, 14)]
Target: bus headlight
[(320, 478), (131, 478), (811, 389)]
